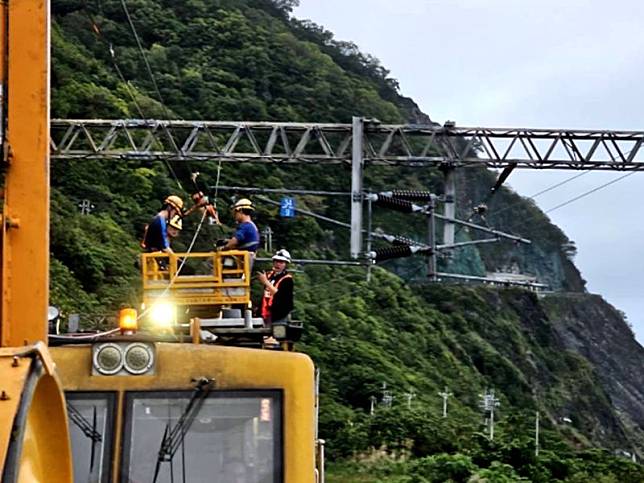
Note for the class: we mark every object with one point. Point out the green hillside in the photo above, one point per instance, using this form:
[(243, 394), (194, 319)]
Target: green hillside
[(249, 60)]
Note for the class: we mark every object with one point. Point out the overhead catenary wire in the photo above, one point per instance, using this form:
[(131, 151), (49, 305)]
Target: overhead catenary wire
[(255, 190), (545, 190), (589, 192), (99, 34), (157, 90), (145, 58), (193, 175), (154, 83), (576, 198), (561, 183)]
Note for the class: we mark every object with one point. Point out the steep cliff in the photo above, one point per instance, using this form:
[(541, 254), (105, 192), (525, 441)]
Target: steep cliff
[(592, 328)]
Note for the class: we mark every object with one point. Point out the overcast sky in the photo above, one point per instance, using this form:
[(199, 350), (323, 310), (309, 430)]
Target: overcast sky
[(511, 63)]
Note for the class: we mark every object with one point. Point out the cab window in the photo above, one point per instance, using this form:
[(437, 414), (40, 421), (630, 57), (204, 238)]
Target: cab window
[(224, 437), (91, 416)]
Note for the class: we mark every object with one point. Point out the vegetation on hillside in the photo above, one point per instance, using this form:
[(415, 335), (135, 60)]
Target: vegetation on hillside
[(248, 60)]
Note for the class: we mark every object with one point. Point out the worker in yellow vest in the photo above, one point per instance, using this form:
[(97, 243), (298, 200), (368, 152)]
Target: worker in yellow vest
[(277, 301)]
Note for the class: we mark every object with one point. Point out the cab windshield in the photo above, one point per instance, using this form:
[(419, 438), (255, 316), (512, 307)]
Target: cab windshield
[(90, 418), (224, 437)]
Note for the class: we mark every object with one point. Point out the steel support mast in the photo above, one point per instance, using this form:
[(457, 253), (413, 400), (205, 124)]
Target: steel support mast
[(357, 152)]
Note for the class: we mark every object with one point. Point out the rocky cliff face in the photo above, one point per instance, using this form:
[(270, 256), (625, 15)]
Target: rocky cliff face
[(570, 355), (550, 256), (587, 325)]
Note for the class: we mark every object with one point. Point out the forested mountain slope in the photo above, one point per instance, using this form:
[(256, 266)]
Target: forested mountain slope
[(248, 60)]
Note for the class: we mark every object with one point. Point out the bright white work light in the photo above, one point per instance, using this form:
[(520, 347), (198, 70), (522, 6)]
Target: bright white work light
[(162, 314)]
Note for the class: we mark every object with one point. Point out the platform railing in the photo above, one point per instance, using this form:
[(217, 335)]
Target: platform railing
[(206, 278)]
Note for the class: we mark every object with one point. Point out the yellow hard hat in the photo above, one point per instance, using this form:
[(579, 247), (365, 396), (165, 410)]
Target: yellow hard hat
[(243, 204), (176, 222), (175, 201)]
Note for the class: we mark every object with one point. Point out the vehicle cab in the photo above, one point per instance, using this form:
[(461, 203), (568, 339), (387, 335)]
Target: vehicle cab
[(176, 398)]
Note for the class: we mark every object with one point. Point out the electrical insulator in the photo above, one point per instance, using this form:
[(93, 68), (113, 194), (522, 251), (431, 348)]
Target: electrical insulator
[(399, 251), (395, 204), (392, 252), (415, 195), (403, 240)]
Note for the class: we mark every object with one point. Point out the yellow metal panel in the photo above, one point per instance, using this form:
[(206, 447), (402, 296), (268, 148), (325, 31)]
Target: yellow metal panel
[(12, 381), (46, 454), (25, 263), (45, 451), (231, 368)]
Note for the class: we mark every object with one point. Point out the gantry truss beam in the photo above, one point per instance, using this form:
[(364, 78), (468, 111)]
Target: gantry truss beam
[(384, 144)]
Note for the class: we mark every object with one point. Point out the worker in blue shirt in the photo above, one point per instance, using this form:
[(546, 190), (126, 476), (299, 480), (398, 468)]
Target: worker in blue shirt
[(156, 233), (246, 236)]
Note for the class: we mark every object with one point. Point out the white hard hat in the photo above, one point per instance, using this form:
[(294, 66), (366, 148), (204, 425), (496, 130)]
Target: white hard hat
[(282, 255)]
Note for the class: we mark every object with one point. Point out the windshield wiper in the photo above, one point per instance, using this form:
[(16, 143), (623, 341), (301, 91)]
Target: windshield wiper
[(89, 430), (173, 437), (83, 424)]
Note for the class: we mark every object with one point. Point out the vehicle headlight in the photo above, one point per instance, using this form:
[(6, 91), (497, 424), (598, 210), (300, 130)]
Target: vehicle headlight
[(138, 358), (123, 358), (279, 331), (162, 314), (108, 358)]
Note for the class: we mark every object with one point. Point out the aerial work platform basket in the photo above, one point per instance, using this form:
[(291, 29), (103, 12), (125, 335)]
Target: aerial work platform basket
[(197, 279)]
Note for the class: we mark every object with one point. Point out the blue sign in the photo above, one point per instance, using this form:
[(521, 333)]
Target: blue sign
[(287, 207)]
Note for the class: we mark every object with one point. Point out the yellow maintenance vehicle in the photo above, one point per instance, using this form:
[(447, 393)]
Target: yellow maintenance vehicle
[(169, 395)]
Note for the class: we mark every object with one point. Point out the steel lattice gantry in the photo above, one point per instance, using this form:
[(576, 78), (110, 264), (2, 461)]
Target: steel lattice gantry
[(383, 144)]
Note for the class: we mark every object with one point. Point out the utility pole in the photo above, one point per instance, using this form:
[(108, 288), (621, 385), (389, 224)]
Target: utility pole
[(445, 394), (410, 395), (488, 403), (372, 409), (86, 207), (387, 398), (369, 237), (536, 434), (268, 239)]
